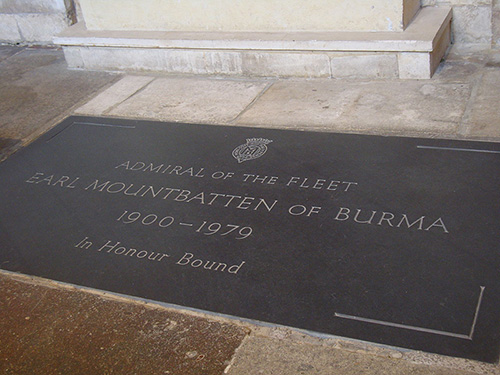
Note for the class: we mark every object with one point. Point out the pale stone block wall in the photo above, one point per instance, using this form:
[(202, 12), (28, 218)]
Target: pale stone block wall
[(34, 21), (410, 9), (475, 22), (496, 24), (32, 6), (249, 15)]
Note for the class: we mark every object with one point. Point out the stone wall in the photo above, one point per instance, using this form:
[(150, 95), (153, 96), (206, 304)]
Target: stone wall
[(496, 24), (475, 22), (249, 15), (34, 21)]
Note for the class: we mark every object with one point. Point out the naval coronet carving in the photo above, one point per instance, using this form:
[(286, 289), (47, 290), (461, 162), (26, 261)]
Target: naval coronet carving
[(253, 149)]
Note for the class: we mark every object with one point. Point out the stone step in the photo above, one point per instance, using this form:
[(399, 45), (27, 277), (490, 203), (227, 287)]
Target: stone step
[(412, 54)]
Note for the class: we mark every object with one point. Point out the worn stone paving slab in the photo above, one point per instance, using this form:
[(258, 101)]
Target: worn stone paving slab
[(272, 356), (494, 59), (485, 114), (7, 51), (191, 100), (393, 106), (459, 71), (48, 329), (114, 95), (36, 88)]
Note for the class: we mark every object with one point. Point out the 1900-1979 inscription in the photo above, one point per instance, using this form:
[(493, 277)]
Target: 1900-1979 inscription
[(384, 239)]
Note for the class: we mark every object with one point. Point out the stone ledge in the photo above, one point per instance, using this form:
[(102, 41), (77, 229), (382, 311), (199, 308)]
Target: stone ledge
[(230, 53)]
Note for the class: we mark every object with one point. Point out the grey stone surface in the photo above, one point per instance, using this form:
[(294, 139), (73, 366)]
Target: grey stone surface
[(473, 20), (306, 104), (467, 54), (495, 17), (414, 65), (364, 66), (73, 58), (41, 28), (30, 6), (455, 2), (255, 64), (459, 71), (36, 91), (484, 119), (8, 51), (494, 60), (191, 100), (115, 95), (264, 355), (441, 106), (25, 21), (472, 24), (285, 65), (9, 31), (390, 106)]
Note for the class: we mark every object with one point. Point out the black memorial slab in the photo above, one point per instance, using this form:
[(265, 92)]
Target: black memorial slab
[(384, 239)]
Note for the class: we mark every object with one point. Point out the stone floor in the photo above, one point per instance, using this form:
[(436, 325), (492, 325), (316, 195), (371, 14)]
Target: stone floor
[(37, 91), (459, 102), (53, 328)]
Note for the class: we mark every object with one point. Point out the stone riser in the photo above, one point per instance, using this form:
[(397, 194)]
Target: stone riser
[(413, 54), (252, 63)]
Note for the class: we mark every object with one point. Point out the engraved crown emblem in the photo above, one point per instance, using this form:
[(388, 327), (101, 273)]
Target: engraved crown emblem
[(253, 149), (258, 141)]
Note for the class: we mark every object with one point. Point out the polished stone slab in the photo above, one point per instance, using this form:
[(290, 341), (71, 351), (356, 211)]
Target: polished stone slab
[(383, 239)]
